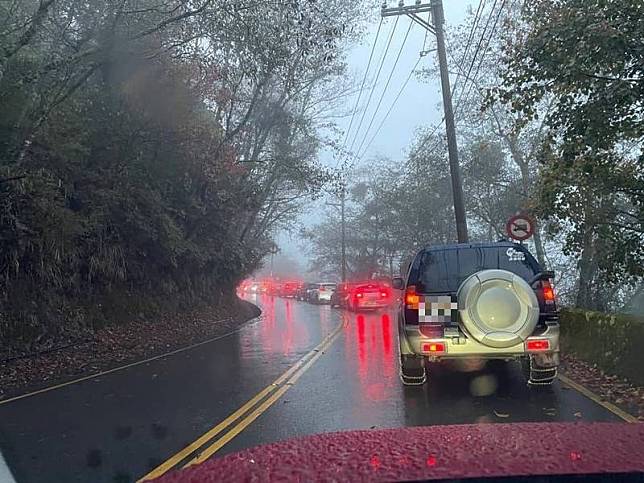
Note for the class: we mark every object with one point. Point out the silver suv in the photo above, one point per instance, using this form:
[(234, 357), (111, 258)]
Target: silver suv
[(478, 301)]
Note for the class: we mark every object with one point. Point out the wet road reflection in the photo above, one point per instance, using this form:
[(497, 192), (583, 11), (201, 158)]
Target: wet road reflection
[(150, 411), (284, 330), (356, 386)]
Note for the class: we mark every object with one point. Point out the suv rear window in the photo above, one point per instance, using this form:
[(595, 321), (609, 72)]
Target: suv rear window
[(444, 270)]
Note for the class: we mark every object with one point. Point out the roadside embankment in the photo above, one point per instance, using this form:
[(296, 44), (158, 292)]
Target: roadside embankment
[(120, 344), (604, 353)]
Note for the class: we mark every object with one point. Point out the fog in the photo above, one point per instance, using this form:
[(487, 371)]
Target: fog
[(419, 106)]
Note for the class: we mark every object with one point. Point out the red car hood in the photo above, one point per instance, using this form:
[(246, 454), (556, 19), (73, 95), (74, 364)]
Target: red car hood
[(434, 452)]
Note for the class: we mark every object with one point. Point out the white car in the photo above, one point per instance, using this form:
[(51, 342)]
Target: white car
[(321, 292)]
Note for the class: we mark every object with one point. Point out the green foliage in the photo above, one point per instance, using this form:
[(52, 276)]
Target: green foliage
[(612, 342), (124, 173), (586, 59)]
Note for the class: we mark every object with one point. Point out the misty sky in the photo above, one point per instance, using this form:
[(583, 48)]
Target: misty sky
[(420, 104)]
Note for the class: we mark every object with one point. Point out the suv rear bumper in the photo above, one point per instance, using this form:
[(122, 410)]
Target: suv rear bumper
[(412, 342)]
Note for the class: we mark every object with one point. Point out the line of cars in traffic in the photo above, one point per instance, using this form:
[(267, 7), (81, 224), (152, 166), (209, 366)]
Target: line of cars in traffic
[(467, 301), (355, 295)]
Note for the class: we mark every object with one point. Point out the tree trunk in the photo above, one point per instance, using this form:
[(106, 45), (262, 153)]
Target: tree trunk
[(587, 264)]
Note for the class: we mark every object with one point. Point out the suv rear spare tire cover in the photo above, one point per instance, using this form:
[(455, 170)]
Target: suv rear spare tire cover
[(497, 308)]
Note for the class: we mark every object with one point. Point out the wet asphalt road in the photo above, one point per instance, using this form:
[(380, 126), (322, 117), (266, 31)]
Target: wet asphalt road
[(118, 427)]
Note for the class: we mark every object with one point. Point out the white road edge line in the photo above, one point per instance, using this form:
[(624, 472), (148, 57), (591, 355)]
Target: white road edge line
[(127, 366), (5, 473)]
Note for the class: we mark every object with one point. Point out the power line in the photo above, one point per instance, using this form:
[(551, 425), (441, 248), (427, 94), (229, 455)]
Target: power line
[(467, 78), (477, 18), (384, 91), (364, 80), (391, 107), (487, 46), (478, 48), (373, 86), (428, 136)]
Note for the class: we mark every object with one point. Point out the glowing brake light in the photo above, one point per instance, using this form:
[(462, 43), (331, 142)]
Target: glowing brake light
[(411, 297), (434, 347), (548, 292), (383, 294), (537, 345), (359, 295)]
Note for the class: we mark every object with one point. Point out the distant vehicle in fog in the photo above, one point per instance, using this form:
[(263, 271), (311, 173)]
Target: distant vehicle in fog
[(369, 296), (321, 292), (302, 292), (244, 286), (289, 289), (340, 295)]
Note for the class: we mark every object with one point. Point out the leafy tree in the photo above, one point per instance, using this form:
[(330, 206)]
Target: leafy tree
[(587, 57), (150, 149)]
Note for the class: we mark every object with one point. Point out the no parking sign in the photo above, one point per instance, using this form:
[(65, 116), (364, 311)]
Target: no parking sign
[(520, 227)]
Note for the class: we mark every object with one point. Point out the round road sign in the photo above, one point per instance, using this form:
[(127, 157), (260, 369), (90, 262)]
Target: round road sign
[(520, 227)]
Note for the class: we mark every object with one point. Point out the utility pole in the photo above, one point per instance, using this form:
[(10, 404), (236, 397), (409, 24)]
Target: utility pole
[(344, 236), (273, 251), (341, 205), (435, 7)]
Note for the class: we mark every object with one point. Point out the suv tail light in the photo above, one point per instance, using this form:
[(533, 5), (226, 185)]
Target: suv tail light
[(537, 345), (434, 347), (548, 292), (412, 298)]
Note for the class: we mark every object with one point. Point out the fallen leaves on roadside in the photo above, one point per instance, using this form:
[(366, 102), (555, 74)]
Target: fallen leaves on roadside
[(619, 391), (114, 346), (577, 414)]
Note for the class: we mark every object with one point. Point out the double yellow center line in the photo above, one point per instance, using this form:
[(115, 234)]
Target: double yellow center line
[(208, 444)]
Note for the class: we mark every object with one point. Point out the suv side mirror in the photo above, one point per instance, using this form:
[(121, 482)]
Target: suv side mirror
[(398, 283)]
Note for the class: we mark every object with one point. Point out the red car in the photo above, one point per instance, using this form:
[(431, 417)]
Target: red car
[(369, 295), (289, 289)]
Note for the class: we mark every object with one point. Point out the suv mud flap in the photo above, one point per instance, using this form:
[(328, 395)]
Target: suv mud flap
[(538, 375), (412, 371)]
